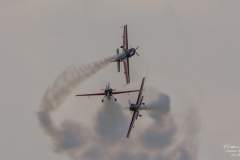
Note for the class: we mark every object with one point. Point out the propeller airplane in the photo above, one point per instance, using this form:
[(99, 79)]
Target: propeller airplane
[(125, 55), (108, 92), (135, 108)]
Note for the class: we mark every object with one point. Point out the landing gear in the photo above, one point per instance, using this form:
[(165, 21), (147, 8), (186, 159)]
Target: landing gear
[(140, 115), (103, 99), (114, 98)]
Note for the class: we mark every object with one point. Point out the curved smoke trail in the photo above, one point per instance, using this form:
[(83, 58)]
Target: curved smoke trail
[(70, 135), (158, 141)]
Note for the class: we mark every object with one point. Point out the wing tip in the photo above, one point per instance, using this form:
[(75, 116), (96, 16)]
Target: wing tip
[(123, 25)]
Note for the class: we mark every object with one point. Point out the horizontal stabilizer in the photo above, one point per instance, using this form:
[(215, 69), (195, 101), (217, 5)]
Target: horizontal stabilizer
[(118, 65)]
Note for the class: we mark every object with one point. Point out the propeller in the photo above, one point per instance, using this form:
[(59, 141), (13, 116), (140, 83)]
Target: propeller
[(129, 102), (135, 50), (129, 106), (108, 84)]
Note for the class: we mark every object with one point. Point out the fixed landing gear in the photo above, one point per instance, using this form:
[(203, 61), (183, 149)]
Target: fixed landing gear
[(114, 98), (103, 99), (110, 98)]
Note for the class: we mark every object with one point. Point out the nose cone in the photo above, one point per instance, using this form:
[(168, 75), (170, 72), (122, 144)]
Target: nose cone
[(130, 107)]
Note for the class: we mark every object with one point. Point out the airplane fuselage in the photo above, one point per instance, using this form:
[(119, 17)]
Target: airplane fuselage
[(108, 92), (134, 107), (130, 52)]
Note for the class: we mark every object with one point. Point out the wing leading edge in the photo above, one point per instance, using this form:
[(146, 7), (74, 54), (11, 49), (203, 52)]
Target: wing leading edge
[(140, 92), (125, 38), (94, 94), (131, 124), (125, 91)]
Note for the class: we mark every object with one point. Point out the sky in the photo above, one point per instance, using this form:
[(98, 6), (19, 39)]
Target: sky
[(189, 51)]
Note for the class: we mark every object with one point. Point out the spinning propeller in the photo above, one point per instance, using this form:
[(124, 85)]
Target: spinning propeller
[(129, 106), (135, 50), (108, 87)]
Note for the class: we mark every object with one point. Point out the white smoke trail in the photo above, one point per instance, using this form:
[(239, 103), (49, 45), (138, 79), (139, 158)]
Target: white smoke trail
[(164, 133), (108, 141), (70, 136)]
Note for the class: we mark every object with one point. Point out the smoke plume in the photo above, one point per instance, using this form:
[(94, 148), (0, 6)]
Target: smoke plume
[(70, 136), (160, 140)]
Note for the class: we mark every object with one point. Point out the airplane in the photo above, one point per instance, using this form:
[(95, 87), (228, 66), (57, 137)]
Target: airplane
[(108, 92), (135, 108), (125, 55)]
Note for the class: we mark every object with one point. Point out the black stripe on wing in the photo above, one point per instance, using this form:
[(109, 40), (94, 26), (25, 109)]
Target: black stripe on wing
[(126, 38), (125, 91), (94, 94), (131, 124), (140, 92)]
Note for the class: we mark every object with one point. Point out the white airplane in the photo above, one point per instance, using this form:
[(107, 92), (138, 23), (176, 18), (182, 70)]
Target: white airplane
[(108, 92), (135, 108), (125, 55)]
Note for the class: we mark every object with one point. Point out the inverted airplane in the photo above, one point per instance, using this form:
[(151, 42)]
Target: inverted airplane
[(135, 108), (108, 92), (125, 55)]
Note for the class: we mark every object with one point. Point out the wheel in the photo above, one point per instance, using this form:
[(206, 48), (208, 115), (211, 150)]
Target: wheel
[(115, 99), (102, 100)]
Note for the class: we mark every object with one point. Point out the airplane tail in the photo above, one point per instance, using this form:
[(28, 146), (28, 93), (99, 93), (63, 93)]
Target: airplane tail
[(118, 65), (118, 62)]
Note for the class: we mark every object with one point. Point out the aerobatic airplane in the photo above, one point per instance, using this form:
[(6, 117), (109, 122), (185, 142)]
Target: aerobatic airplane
[(135, 108), (108, 92), (125, 55)]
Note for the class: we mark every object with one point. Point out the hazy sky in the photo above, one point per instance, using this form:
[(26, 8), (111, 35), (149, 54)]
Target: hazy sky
[(189, 50)]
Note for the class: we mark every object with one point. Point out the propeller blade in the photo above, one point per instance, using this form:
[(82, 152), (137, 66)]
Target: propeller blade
[(137, 54), (108, 84), (137, 47), (129, 102)]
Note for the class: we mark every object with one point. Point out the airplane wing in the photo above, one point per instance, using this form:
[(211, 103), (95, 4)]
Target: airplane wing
[(131, 124), (140, 93), (126, 69), (125, 38), (93, 94), (125, 91)]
